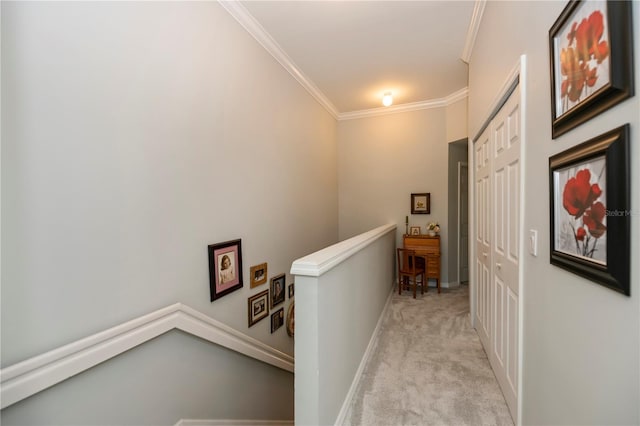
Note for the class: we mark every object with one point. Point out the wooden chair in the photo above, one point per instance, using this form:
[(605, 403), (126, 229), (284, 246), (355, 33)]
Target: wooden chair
[(409, 271)]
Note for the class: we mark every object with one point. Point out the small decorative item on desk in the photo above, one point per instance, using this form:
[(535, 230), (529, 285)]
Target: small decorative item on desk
[(406, 225), (433, 228)]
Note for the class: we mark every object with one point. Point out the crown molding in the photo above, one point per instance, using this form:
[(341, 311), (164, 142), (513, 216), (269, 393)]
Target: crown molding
[(414, 106), (257, 31), (472, 31)]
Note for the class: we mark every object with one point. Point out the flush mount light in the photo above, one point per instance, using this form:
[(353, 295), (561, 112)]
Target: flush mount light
[(387, 99)]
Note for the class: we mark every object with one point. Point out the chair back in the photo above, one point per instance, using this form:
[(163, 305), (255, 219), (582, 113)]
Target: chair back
[(406, 261)]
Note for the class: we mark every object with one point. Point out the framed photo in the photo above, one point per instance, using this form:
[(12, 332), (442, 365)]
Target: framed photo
[(258, 307), (291, 290), (277, 319), (291, 318), (277, 290), (258, 274), (590, 209), (225, 268), (591, 59), (421, 203), (414, 230)]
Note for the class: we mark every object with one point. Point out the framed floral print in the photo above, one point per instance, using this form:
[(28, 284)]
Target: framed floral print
[(591, 58), (590, 209)]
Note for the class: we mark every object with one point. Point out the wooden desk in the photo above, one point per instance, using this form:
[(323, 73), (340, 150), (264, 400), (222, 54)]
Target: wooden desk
[(428, 248)]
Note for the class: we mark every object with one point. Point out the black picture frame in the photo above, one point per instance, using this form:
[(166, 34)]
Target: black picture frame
[(257, 307), (277, 319), (223, 281), (597, 171), (604, 72), (277, 287), (421, 203), (291, 290)]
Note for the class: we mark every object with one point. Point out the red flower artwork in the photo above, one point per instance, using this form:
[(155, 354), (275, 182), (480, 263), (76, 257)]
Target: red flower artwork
[(579, 199), (579, 60)]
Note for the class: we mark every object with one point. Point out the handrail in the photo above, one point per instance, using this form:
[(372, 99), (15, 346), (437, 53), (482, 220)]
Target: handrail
[(35, 374), (323, 260)]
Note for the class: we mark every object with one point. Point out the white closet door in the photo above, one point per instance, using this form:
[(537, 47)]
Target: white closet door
[(482, 211), (505, 171)]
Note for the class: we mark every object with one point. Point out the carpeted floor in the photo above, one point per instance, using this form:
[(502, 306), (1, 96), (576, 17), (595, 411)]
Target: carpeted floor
[(429, 367)]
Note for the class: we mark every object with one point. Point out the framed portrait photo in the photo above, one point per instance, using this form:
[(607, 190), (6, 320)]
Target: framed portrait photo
[(421, 203), (277, 290), (225, 268), (258, 307), (291, 290), (414, 230), (258, 274), (591, 60), (590, 209), (277, 319)]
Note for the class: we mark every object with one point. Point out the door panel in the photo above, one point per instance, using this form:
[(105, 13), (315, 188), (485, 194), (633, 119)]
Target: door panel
[(497, 175), (506, 227), (483, 238)]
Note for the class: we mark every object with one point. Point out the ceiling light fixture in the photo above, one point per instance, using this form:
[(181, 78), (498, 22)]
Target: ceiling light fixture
[(387, 99)]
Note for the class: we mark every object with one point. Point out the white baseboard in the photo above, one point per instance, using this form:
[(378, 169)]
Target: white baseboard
[(344, 410), (192, 422)]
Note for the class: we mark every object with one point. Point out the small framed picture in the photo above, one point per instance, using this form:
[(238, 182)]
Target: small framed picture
[(258, 274), (258, 307), (421, 203), (291, 318), (290, 290), (277, 319), (591, 58), (414, 230), (590, 209), (277, 290), (225, 268)]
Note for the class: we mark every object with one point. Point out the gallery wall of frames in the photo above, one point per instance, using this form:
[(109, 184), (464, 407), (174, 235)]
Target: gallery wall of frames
[(225, 276)]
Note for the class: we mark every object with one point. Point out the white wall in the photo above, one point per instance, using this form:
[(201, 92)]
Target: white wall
[(174, 376), (134, 135), (381, 161), (581, 340), (457, 120)]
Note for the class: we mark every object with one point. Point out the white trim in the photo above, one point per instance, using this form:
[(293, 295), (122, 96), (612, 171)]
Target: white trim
[(28, 377), (323, 260), (517, 74), (257, 31), (472, 31), (522, 70), (414, 106), (193, 422), (348, 400)]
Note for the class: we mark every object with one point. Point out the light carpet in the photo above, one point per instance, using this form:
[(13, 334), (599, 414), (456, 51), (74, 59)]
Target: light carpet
[(428, 367)]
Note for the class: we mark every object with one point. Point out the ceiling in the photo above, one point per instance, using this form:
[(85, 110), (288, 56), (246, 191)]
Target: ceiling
[(350, 52)]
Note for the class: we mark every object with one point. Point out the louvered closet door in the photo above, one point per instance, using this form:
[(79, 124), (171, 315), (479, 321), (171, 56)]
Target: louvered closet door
[(482, 210), (505, 172)]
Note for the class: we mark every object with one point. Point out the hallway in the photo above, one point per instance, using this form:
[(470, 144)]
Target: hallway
[(429, 367)]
